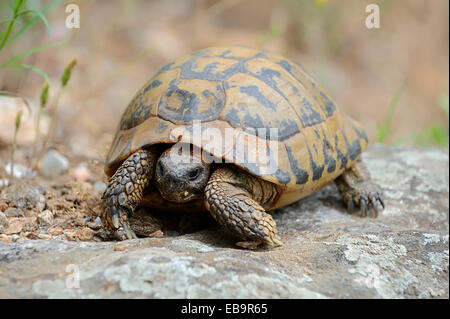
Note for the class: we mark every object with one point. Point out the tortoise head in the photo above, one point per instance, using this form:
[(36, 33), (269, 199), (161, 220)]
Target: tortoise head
[(181, 174)]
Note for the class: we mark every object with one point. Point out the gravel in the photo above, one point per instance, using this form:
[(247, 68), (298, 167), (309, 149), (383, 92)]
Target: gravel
[(45, 218)]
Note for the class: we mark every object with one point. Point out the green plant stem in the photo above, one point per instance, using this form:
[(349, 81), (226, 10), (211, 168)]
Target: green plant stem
[(11, 24), (33, 20), (13, 149), (384, 128), (36, 139), (51, 130), (393, 107), (7, 34)]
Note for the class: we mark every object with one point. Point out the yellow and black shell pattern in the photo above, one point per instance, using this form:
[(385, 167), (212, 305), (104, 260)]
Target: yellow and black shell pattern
[(245, 89)]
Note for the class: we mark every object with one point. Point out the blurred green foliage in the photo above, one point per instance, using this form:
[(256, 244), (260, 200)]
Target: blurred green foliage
[(275, 30), (21, 17), (436, 134), (323, 14), (384, 128)]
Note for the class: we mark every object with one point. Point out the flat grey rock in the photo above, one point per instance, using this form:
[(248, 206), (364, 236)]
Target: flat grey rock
[(327, 253)]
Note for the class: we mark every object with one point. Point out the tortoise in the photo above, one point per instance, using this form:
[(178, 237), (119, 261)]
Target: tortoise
[(158, 159)]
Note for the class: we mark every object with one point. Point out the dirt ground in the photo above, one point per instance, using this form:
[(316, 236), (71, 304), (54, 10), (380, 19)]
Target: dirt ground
[(121, 44), (68, 199)]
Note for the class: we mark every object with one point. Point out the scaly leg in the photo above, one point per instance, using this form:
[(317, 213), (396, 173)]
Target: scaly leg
[(125, 188), (236, 199), (357, 189)]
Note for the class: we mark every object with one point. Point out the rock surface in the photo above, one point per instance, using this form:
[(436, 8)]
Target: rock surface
[(327, 253)]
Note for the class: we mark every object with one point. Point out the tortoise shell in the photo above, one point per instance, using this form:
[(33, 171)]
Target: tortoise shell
[(244, 89)]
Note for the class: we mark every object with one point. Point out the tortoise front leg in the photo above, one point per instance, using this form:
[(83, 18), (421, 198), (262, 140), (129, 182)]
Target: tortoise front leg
[(236, 199), (357, 189), (125, 188)]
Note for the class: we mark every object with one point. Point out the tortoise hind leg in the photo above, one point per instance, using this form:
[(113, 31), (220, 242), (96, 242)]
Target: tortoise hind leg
[(357, 189), (125, 189), (236, 200)]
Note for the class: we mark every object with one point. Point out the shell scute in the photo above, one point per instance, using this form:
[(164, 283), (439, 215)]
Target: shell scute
[(251, 103), (144, 103), (183, 102)]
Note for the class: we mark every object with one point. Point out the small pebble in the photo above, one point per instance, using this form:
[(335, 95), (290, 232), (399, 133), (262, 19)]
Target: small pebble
[(20, 171), (156, 234), (85, 234), (45, 218), (30, 235), (44, 236), (99, 188), (4, 182), (55, 231), (119, 248), (14, 227), (3, 205), (53, 164), (96, 224), (79, 221), (3, 220), (30, 226), (70, 235), (40, 207), (81, 173), (19, 224), (5, 238)]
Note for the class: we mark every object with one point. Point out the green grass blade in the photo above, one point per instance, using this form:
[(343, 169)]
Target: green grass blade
[(383, 129), (381, 136), (30, 67), (393, 106), (439, 135), (8, 32), (17, 5), (41, 15), (6, 21), (20, 56), (32, 21), (443, 103), (7, 93)]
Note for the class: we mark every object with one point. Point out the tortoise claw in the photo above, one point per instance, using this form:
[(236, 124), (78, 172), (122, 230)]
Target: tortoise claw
[(114, 217), (350, 206), (381, 201), (374, 206), (363, 207), (128, 231), (276, 240), (369, 202), (252, 245), (357, 189)]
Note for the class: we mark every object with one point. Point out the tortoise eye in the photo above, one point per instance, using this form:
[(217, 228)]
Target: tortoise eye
[(193, 174)]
